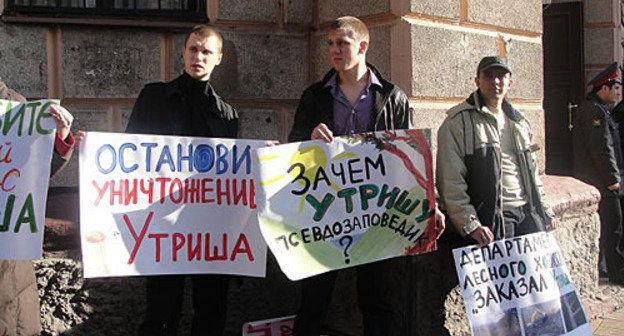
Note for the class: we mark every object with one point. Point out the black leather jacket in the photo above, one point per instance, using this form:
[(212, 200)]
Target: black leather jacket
[(167, 109), (391, 109)]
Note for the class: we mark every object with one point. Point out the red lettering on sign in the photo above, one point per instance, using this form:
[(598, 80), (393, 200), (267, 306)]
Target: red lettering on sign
[(138, 239)]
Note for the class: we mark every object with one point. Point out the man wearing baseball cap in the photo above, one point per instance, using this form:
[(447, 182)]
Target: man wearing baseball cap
[(598, 161), (487, 175)]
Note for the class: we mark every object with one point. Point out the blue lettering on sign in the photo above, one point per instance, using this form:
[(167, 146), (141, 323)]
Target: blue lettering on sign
[(201, 158), (244, 158), (165, 157), (186, 158), (98, 154), (148, 154), (222, 164), (122, 162)]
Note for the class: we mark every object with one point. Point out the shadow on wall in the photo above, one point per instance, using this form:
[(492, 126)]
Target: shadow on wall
[(225, 76)]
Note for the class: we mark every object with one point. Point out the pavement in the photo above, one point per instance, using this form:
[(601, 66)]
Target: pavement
[(605, 308), (609, 325)]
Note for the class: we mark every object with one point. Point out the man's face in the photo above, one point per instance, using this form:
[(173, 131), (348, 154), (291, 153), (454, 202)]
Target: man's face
[(201, 55), (344, 51), (611, 94), (494, 83)]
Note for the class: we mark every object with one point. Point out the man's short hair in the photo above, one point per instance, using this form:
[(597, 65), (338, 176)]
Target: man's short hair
[(351, 24), (204, 30)]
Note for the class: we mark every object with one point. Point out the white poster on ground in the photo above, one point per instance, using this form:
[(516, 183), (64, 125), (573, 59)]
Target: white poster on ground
[(519, 287)]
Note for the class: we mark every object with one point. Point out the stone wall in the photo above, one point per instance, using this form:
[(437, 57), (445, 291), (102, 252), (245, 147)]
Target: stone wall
[(444, 42), (603, 35), (98, 70), (273, 49)]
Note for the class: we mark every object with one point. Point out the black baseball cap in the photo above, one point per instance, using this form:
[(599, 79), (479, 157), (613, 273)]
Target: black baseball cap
[(493, 62)]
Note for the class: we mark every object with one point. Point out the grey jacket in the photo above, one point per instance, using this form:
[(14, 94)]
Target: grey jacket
[(469, 176)]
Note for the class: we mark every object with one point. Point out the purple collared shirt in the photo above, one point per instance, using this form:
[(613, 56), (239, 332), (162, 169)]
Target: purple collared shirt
[(349, 119)]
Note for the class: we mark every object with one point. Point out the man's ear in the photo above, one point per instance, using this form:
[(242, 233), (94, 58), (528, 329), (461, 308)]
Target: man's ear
[(603, 89), (219, 60), (363, 47)]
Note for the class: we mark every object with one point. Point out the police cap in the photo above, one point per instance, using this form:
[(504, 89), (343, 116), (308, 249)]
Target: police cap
[(606, 76)]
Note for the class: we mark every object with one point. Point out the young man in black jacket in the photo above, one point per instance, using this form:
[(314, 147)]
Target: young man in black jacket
[(187, 106), (352, 98)]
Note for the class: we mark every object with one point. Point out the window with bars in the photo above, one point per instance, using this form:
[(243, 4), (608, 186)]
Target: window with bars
[(153, 9)]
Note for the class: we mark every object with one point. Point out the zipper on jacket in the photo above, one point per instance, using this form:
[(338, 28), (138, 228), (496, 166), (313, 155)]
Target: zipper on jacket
[(523, 159), (479, 108), (500, 167), (500, 175), (380, 114)]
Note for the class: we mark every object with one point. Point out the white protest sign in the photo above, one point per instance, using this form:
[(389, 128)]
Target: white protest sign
[(25, 154), (519, 287), (360, 199), (168, 205)]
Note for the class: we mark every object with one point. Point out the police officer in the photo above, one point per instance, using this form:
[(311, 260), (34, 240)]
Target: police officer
[(598, 161)]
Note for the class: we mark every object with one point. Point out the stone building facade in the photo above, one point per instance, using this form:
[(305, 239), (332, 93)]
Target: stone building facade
[(273, 49), (603, 35)]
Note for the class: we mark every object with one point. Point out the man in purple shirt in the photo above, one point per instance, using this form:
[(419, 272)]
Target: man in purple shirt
[(353, 98), (352, 119)]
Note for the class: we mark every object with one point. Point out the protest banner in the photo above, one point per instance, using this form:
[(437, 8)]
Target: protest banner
[(168, 205), (519, 287), (279, 326), (356, 200), (25, 155)]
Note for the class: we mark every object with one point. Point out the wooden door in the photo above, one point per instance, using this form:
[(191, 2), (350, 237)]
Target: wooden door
[(563, 81)]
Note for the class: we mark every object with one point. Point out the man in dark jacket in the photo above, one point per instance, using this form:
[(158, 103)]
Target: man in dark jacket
[(19, 298), (598, 161), (352, 98), (187, 106)]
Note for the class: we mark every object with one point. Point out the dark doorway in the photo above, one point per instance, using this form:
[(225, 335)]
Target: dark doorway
[(563, 81)]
